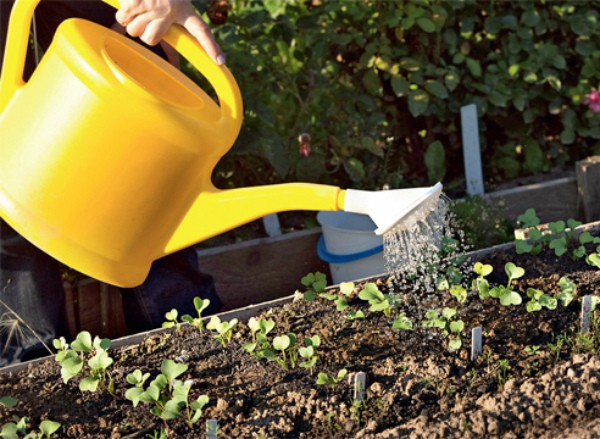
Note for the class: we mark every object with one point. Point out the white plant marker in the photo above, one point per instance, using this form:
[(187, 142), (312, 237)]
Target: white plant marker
[(476, 343), (586, 310), (360, 383), (212, 429), (471, 150)]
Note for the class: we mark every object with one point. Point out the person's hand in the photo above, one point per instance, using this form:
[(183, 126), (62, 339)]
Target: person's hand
[(150, 20), (171, 54)]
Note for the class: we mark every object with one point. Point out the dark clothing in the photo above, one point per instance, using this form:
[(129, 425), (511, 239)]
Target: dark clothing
[(30, 280)]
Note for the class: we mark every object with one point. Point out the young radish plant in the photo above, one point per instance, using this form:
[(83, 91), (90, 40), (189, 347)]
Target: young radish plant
[(166, 394), (259, 329), (224, 330), (20, 428), (567, 289), (480, 283), (88, 358), (323, 379), (539, 300), (309, 353), (315, 283), (200, 305), (505, 293), (448, 326), (377, 300)]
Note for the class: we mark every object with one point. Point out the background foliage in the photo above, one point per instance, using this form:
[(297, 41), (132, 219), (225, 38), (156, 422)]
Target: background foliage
[(378, 85)]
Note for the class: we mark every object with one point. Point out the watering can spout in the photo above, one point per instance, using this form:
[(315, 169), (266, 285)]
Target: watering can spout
[(216, 211)]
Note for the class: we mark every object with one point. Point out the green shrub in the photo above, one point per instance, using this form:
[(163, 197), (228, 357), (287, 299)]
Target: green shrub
[(378, 85)]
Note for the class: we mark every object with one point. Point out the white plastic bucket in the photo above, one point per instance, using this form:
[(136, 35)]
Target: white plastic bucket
[(350, 246)]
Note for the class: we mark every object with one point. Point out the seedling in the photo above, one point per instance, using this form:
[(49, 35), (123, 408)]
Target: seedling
[(402, 323), (8, 401), (594, 260), (316, 283), (340, 301), (168, 394), (567, 288), (539, 300), (556, 347), (86, 357), (200, 305), (532, 350), (377, 300), (506, 294), (459, 292), (480, 283), (353, 315), (503, 367), (284, 343), (259, 328), (172, 321), (224, 330), (12, 430), (324, 379), (444, 322), (309, 353)]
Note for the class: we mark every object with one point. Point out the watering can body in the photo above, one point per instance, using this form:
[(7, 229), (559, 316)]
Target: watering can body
[(107, 146)]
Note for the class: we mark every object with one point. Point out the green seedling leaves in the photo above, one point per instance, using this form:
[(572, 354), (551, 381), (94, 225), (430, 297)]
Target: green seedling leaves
[(71, 366), (346, 288), (200, 305), (171, 370), (508, 297), (402, 323), (353, 315), (83, 342), (567, 289), (594, 260), (513, 271), (482, 269), (8, 401), (529, 218), (281, 343), (224, 330), (586, 238), (559, 245), (557, 227), (539, 300), (459, 292), (316, 283), (377, 300), (324, 379), (523, 247)]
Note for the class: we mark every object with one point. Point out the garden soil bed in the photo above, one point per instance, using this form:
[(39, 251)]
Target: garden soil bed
[(415, 386)]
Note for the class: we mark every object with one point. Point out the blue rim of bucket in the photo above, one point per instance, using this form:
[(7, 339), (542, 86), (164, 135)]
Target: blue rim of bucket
[(333, 258)]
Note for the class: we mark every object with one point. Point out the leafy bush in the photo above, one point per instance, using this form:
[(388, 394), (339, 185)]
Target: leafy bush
[(378, 86)]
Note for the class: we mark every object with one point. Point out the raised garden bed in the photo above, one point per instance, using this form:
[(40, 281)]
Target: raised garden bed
[(537, 375)]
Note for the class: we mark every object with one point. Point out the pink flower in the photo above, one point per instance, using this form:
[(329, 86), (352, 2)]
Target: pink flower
[(592, 100), (304, 144)]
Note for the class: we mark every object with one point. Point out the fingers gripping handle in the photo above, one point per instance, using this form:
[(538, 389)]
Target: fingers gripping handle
[(219, 77)]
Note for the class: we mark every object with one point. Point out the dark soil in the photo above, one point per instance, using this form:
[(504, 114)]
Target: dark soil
[(415, 386)]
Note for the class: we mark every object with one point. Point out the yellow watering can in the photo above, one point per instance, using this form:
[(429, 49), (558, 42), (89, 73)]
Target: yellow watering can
[(107, 154)]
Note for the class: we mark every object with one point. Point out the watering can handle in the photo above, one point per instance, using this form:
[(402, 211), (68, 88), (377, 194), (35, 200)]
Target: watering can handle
[(11, 78)]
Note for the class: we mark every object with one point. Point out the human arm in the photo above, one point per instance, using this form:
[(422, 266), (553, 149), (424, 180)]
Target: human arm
[(150, 20)]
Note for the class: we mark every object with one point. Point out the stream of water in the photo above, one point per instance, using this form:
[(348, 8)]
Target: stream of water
[(416, 256)]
